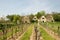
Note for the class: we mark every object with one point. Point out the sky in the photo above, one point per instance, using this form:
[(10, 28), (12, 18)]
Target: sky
[(24, 7)]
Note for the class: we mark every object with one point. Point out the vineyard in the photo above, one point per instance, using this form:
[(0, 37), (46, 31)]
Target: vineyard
[(55, 27), (29, 19), (30, 27), (29, 32)]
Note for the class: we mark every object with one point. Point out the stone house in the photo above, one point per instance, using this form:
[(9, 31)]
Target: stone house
[(35, 18), (43, 19), (25, 19), (47, 18)]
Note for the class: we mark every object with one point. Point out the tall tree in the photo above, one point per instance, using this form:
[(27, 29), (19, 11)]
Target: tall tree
[(13, 18), (39, 14), (56, 16), (31, 17)]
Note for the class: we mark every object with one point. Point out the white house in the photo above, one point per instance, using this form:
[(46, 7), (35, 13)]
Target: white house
[(35, 18), (43, 19)]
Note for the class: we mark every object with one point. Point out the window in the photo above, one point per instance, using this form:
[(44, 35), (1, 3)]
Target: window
[(42, 18)]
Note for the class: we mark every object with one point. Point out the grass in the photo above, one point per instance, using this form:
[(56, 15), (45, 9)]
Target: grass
[(26, 36), (1, 37), (45, 35), (14, 30), (9, 33), (54, 26)]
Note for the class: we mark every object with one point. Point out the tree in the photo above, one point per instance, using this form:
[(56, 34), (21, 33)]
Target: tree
[(56, 16), (10, 17), (13, 18), (39, 14), (31, 17)]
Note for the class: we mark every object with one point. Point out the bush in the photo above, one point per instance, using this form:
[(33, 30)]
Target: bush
[(56, 16)]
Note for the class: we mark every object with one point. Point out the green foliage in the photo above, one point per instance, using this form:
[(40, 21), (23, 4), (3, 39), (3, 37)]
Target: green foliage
[(56, 16), (39, 14), (13, 18), (31, 17), (27, 34), (45, 35), (54, 27)]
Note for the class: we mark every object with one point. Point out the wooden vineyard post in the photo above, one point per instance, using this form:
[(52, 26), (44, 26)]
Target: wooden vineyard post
[(12, 31), (35, 29), (58, 31), (37, 33)]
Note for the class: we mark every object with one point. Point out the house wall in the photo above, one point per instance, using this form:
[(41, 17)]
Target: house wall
[(43, 19)]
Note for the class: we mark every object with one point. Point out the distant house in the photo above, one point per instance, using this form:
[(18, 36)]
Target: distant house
[(35, 18), (49, 18), (25, 19), (43, 19)]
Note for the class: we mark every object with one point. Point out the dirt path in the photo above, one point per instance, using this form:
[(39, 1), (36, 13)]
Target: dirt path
[(50, 32), (32, 37), (20, 36)]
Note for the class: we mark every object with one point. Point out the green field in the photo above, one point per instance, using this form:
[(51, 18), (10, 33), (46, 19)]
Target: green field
[(26, 36), (45, 35), (9, 33), (52, 25), (29, 27)]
